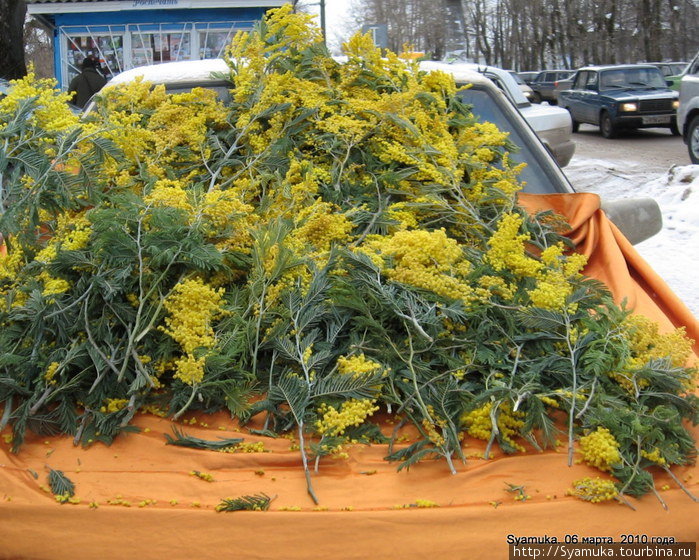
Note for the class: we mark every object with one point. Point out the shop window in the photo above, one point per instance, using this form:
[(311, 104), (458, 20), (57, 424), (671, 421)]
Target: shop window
[(163, 45), (213, 38), (106, 47), (213, 43)]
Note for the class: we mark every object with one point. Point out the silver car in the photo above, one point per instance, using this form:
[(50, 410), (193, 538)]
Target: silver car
[(552, 125), (638, 218)]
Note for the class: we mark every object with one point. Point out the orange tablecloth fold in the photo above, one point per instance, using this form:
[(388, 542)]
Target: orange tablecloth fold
[(171, 513), (475, 516), (614, 261)]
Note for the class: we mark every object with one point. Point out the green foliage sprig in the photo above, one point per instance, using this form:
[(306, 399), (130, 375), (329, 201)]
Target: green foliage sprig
[(338, 239)]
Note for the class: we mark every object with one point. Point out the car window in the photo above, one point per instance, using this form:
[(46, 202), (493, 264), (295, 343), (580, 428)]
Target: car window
[(502, 87), (550, 77), (591, 79), (580, 80), (632, 78), (539, 173)]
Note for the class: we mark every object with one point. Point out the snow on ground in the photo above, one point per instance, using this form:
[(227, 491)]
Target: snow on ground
[(674, 252)]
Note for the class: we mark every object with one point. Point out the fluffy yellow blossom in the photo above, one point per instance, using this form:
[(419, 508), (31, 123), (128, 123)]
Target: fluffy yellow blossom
[(600, 449), (420, 503), (53, 285), (67, 499), (10, 262), (222, 208), (50, 372), (167, 192), (190, 370), (207, 477), (52, 111), (647, 343), (494, 285), (357, 365), (324, 227), (594, 490), (654, 456), (507, 248), (113, 405), (425, 259), (352, 412), (432, 427), (405, 216), (78, 238), (245, 447), (553, 286), (192, 306), (47, 254), (478, 423)]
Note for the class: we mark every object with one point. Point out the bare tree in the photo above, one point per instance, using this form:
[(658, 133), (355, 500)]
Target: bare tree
[(536, 34), (38, 48), (12, 13), (414, 24)]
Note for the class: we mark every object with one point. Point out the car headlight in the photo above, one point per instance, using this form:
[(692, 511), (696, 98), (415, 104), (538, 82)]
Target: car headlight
[(676, 104), (527, 94), (629, 107)]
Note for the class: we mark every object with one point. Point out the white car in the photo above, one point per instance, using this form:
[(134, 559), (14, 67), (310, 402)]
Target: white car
[(552, 124), (637, 218), (688, 111)]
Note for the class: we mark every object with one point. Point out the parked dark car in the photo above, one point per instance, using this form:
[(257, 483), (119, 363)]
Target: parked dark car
[(621, 97), (672, 71), (544, 83), (670, 68)]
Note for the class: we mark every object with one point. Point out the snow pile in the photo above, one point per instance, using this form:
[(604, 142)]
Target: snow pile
[(674, 252)]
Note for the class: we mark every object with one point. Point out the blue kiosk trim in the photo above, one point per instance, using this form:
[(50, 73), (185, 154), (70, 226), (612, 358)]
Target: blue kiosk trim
[(125, 34)]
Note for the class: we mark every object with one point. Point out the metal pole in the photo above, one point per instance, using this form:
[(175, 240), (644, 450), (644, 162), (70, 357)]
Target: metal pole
[(322, 19)]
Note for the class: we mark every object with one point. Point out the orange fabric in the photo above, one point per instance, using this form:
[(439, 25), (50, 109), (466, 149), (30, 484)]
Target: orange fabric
[(614, 261), (475, 516)]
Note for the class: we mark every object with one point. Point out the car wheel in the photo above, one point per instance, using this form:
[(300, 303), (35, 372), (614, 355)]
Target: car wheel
[(606, 125), (576, 124), (693, 140), (674, 130), (536, 98)]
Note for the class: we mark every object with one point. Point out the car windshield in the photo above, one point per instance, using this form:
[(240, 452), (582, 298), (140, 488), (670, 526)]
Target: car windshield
[(538, 174), (631, 78)]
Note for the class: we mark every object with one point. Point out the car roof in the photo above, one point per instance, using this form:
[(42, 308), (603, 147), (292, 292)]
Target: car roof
[(183, 72), (468, 72), (193, 71), (617, 67)]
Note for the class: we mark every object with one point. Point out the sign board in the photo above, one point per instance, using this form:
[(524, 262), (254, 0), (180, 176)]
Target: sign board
[(379, 33)]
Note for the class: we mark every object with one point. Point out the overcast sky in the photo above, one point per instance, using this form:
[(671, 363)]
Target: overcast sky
[(339, 23)]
